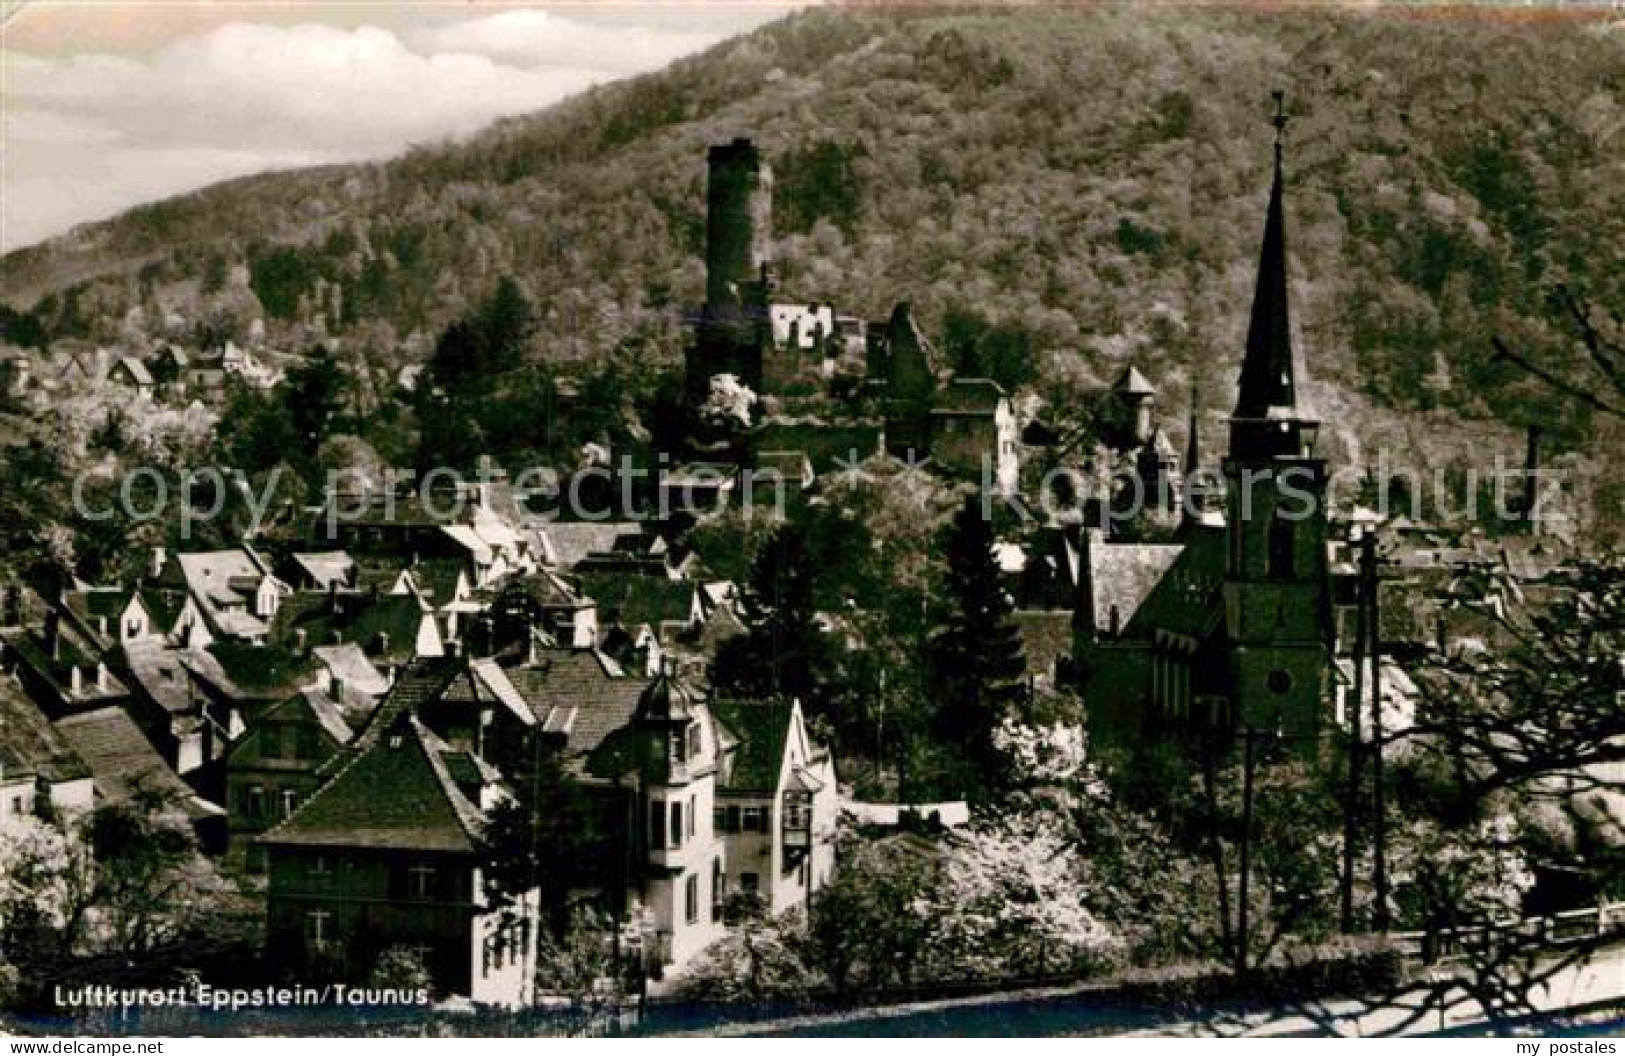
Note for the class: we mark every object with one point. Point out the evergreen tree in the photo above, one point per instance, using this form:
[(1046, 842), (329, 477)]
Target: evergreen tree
[(978, 656), (785, 653)]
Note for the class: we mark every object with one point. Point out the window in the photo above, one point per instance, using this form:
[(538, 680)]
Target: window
[(719, 819), (691, 899), (732, 819), (309, 744), (420, 881), (320, 869), (679, 745), (753, 819), (693, 812), (694, 744), (271, 742), (254, 804), (657, 826), (795, 810), (719, 887), (290, 799), (750, 883), (318, 930), (676, 825), (1279, 681), (1282, 540)]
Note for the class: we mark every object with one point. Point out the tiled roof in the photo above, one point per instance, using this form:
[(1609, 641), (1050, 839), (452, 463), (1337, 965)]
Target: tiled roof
[(1122, 576), (762, 728), (1187, 599), (580, 693), (29, 744), (122, 761), (636, 599), (570, 541), (334, 566), (160, 672), (397, 793), (350, 665)]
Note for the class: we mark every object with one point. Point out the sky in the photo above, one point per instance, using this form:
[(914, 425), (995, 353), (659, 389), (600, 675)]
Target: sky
[(105, 105)]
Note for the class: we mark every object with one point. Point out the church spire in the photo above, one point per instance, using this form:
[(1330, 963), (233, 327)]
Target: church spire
[(1267, 405)]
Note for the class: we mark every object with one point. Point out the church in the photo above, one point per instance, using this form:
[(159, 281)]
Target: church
[(1230, 626)]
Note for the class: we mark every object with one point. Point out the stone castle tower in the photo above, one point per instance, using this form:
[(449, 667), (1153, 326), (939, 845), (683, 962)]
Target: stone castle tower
[(1277, 606), (733, 329)]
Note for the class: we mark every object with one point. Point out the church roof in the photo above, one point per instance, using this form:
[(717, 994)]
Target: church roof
[(1267, 376), (1121, 576)]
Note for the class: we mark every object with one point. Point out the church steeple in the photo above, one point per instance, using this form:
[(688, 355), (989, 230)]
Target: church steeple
[(1266, 423)]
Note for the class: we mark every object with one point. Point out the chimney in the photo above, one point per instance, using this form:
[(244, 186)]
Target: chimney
[(101, 625), (301, 638), (383, 642), (159, 558), (454, 647), (76, 680), (102, 677)]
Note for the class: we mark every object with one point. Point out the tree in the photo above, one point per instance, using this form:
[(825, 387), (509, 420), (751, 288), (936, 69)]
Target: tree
[(978, 655), (314, 393), (550, 838), (785, 653)]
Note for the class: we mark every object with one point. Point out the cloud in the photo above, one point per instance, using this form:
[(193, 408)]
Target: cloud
[(533, 39), (89, 134)]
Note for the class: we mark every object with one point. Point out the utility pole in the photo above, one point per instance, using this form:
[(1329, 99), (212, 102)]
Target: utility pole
[(1356, 746), (1250, 735), (1379, 842)]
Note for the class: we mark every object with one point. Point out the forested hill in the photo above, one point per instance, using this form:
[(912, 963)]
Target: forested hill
[(1094, 178)]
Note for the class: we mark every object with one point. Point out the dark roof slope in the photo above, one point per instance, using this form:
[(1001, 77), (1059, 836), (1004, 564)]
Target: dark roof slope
[(762, 728), (29, 744), (398, 794)]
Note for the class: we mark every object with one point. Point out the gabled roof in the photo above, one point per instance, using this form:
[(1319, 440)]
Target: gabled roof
[(581, 694), (570, 541), (350, 665), (397, 793), (29, 745), (762, 729), (1188, 599), (1122, 576), (333, 566)]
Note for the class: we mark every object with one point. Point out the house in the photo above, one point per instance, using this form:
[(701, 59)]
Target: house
[(272, 768), (556, 607), (126, 768), (39, 770), (776, 805), (322, 571), (974, 433), (386, 855), (130, 373), (391, 629), (61, 668), (230, 594), (567, 543)]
